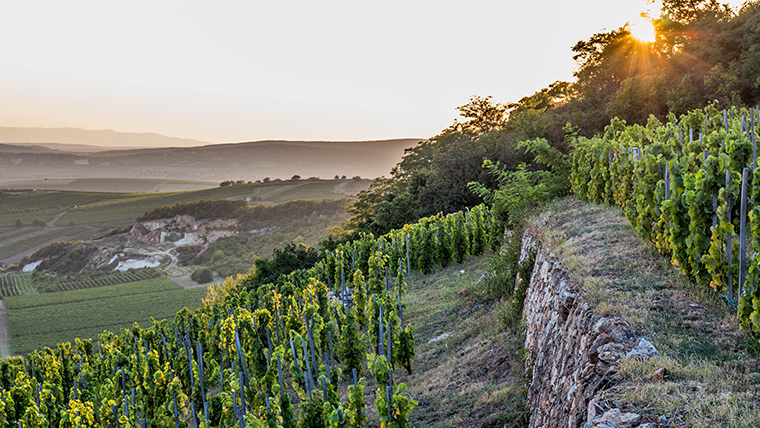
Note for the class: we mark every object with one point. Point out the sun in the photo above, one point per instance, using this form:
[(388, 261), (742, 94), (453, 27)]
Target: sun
[(642, 29)]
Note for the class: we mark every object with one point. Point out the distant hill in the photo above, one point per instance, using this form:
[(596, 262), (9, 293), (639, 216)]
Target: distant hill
[(215, 162), (76, 139)]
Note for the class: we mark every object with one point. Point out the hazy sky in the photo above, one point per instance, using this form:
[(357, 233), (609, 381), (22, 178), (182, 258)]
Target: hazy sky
[(227, 71)]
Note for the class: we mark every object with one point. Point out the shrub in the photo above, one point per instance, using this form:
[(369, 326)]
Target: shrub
[(218, 255), (202, 276)]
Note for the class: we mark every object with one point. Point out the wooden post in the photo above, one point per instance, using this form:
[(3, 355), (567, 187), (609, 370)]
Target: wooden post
[(380, 347), (715, 209), (725, 120), (729, 238), (743, 232), (408, 266), (389, 342), (279, 375), (667, 181)]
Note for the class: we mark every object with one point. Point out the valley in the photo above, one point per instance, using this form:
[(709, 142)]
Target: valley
[(30, 219)]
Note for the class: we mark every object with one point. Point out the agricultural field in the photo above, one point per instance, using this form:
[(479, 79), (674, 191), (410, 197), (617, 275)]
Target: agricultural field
[(81, 215), (27, 238), (111, 185), (16, 284), (104, 281), (355, 186), (41, 320)]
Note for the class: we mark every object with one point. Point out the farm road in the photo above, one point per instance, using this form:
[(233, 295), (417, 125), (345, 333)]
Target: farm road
[(52, 221)]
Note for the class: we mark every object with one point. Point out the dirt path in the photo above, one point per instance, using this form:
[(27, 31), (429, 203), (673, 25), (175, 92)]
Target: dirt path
[(51, 222), (6, 349), (158, 186)]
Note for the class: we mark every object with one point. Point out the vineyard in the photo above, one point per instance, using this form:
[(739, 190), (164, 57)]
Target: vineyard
[(113, 279), (15, 284), (23, 284), (298, 352), (691, 187), (45, 319)]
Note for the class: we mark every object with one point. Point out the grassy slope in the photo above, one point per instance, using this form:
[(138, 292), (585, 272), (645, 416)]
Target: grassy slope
[(474, 376), (43, 320), (711, 367)]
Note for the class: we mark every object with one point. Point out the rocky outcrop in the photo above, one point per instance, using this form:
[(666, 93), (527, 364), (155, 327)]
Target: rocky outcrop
[(573, 352), (155, 231)]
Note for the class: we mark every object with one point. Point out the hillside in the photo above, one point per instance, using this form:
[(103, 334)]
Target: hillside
[(470, 367), (705, 373), (218, 162), (224, 235), (76, 139), (82, 215)]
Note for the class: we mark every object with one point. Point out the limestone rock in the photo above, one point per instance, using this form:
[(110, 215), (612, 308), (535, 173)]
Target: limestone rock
[(617, 419), (643, 350)]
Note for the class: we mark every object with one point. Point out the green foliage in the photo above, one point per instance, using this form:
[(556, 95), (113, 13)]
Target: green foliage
[(432, 178), (522, 188), (283, 262), (291, 321), (217, 256), (349, 346), (202, 276), (687, 216), (214, 209), (482, 115)]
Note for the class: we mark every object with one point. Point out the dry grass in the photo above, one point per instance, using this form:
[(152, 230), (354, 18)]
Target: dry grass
[(711, 367), (474, 376)]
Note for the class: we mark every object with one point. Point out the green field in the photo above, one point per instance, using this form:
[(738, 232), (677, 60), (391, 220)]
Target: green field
[(43, 320), (110, 185), (13, 239), (113, 209)]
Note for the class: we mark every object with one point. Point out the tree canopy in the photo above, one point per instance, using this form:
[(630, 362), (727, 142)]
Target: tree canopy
[(703, 53)]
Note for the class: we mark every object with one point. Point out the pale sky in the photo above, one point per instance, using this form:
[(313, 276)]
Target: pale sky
[(229, 71)]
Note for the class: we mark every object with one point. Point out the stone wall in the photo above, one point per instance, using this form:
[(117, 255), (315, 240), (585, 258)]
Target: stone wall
[(572, 351)]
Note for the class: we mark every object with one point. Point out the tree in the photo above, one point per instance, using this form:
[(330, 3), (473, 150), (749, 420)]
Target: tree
[(202, 276), (684, 97), (638, 97), (295, 177), (283, 261), (483, 116)]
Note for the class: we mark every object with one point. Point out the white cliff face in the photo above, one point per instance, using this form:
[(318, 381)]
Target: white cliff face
[(30, 267), (138, 263)]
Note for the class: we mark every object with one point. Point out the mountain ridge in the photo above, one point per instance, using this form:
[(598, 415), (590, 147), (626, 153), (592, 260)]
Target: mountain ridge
[(248, 161), (98, 137)]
